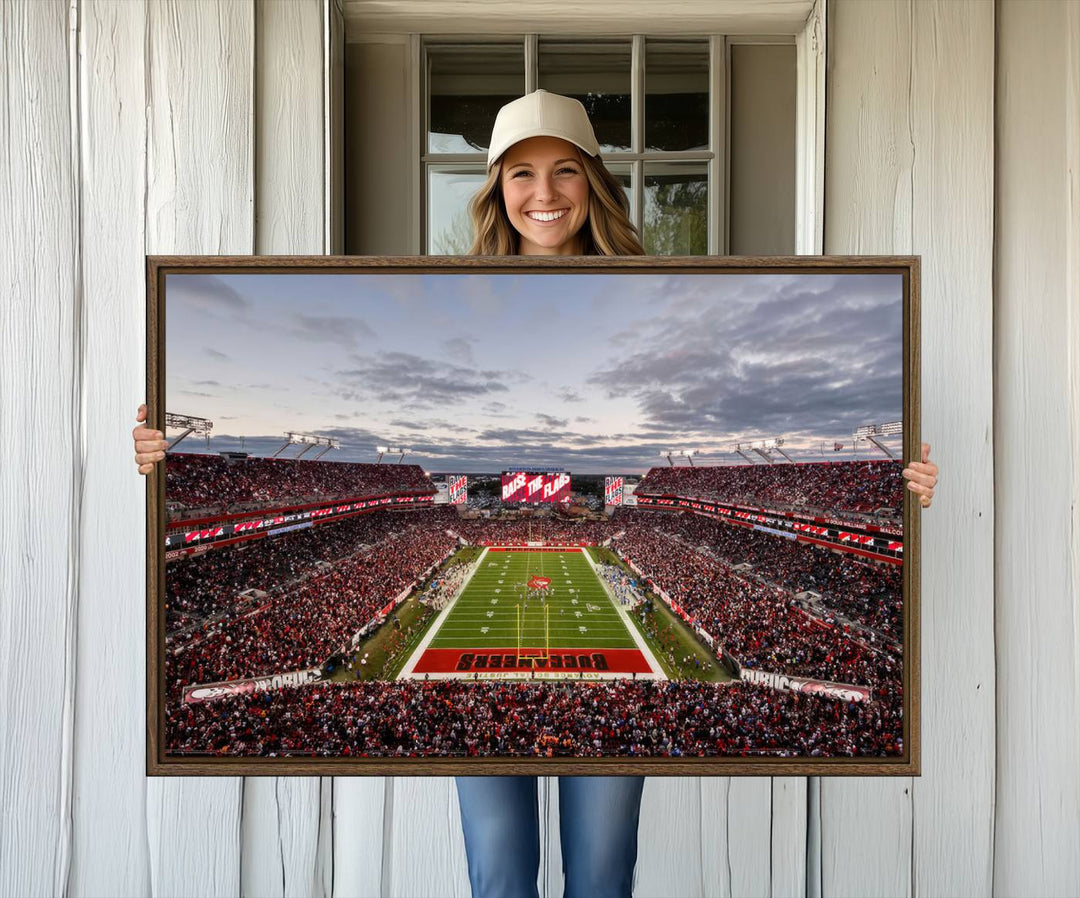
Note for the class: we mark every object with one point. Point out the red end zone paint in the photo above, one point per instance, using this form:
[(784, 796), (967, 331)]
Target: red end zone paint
[(571, 660)]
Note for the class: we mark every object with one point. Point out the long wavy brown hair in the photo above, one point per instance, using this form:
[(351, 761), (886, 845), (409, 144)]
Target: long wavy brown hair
[(607, 231)]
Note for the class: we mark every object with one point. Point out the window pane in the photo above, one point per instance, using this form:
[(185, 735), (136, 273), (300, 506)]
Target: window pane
[(676, 209), (597, 74), (624, 176), (676, 95), (449, 191), (466, 87)]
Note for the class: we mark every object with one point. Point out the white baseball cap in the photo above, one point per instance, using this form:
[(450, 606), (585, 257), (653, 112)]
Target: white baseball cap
[(541, 114)]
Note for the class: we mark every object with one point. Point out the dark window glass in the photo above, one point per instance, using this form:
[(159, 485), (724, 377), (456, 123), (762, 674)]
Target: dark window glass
[(597, 74), (467, 85), (676, 95)]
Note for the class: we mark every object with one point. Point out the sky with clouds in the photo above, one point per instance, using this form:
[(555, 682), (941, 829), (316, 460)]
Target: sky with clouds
[(594, 373)]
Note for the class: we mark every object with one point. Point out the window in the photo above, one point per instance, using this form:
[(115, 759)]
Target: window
[(659, 107)]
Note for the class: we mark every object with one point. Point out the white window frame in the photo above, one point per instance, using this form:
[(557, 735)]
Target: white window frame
[(810, 125)]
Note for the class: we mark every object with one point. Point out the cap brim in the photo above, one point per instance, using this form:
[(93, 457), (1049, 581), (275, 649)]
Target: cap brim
[(496, 152)]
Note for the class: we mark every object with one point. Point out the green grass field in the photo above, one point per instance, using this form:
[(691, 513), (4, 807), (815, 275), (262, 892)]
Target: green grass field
[(580, 614)]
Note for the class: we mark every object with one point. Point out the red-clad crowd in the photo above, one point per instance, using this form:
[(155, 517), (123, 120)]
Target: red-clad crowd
[(454, 718), (303, 625), (318, 587), (758, 623), (864, 591), (204, 481), (860, 487), (210, 584), (548, 529)]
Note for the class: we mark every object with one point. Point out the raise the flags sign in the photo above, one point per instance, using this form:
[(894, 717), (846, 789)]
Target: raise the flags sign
[(613, 491)]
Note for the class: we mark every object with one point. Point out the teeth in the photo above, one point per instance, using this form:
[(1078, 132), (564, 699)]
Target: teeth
[(546, 216)]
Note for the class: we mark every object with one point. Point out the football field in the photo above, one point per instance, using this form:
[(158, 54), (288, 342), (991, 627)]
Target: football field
[(533, 613)]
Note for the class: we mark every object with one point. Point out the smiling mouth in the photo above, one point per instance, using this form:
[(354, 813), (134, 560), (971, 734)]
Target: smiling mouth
[(554, 215)]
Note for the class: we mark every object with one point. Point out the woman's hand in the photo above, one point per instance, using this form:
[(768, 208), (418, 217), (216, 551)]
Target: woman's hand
[(922, 477), (150, 444)]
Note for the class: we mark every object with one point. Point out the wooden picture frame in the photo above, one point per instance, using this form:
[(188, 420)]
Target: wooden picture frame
[(783, 693)]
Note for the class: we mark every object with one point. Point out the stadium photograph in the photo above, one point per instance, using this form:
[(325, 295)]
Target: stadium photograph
[(474, 515)]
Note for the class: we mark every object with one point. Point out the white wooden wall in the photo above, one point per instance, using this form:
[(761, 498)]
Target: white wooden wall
[(199, 127), (910, 153)]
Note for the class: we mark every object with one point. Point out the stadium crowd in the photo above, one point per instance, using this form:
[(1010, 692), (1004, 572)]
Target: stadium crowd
[(319, 587), (195, 481), (210, 584), (865, 591), (858, 487), (312, 608), (493, 531), (631, 718), (758, 623), (302, 626)]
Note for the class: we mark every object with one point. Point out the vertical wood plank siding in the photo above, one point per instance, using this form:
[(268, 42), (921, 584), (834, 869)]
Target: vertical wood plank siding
[(909, 168), (41, 458), (200, 196), (282, 815), (109, 812), (1037, 366), (868, 174), (952, 121), (169, 126), (424, 850)]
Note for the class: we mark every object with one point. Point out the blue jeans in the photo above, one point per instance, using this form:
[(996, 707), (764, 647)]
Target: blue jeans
[(598, 822)]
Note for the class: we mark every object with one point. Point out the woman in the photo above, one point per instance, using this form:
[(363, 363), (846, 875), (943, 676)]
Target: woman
[(548, 193)]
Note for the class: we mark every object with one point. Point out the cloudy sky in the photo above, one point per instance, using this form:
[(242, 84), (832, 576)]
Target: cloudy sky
[(594, 373)]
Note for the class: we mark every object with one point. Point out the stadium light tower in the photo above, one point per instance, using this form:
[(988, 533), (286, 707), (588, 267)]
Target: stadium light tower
[(688, 454), (763, 448), (331, 443), (871, 433), (392, 450), (779, 447), (189, 424), (307, 440)]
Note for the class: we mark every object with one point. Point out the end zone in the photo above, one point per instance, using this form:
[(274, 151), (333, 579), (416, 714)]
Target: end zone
[(505, 663)]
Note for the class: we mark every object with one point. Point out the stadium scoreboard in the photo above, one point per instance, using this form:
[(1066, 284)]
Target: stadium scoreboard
[(535, 487)]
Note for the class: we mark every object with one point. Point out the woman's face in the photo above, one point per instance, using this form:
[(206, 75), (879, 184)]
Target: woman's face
[(546, 195)]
